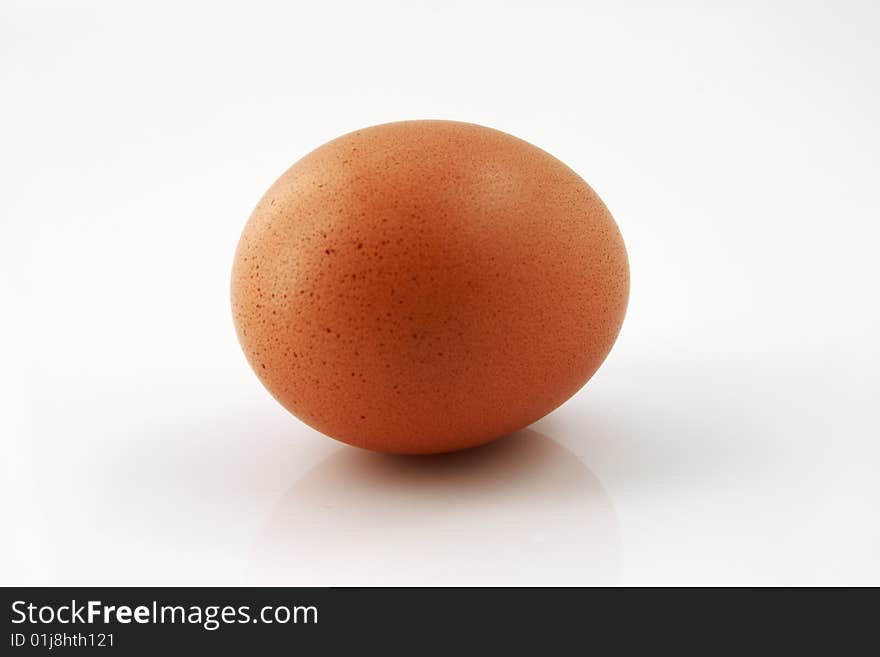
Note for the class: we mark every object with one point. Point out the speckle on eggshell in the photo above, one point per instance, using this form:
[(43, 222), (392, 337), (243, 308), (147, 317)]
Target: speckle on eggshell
[(427, 286)]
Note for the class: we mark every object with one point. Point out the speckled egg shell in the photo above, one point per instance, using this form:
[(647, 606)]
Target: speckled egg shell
[(427, 286)]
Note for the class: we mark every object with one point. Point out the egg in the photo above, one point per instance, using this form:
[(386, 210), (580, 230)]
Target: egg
[(427, 286)]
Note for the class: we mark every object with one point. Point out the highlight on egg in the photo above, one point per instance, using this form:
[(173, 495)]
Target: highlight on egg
[(427, 286)]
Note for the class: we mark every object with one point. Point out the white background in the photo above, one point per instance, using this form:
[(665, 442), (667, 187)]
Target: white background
[(730, 438)]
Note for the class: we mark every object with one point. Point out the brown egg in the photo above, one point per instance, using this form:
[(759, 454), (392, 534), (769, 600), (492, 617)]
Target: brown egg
[(427, 286)]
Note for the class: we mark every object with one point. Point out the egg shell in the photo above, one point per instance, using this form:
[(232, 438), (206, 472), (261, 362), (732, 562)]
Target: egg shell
[(427, 286)]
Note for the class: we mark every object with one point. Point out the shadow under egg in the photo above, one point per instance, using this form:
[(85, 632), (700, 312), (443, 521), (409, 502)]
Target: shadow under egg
[(520, 511)]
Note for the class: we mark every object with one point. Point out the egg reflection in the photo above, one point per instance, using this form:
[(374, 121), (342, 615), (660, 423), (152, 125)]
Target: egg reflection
[(522, 511)]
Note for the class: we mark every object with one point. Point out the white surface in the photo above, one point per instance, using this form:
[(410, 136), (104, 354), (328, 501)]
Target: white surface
[(731, 437)]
